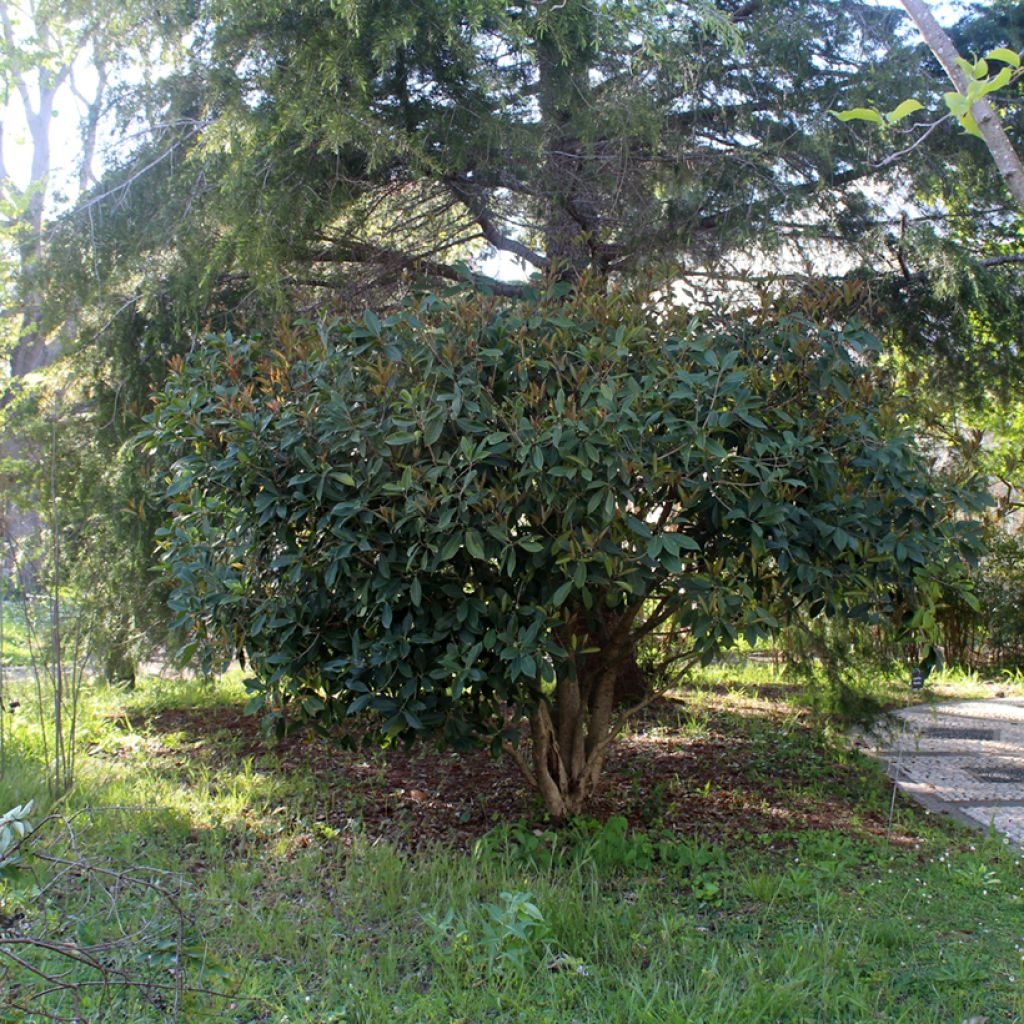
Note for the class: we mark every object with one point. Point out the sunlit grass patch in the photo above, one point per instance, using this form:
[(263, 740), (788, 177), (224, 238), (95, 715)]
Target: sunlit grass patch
[(750, 875), (17, 649)]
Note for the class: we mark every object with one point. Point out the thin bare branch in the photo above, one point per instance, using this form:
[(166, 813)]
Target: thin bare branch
[(483, 216), (521, 763)]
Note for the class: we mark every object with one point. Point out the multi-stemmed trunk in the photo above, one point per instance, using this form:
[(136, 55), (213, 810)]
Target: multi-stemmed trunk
[(570, 738), (572, 728)]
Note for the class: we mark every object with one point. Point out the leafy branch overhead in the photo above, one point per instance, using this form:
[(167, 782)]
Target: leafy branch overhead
[(969, 104), (980, 83)]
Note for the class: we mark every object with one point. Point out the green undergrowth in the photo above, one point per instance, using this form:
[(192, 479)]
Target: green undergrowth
[(294, 915), (867, 689), (16, 649)]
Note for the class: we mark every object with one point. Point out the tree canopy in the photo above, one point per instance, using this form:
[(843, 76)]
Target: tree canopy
[(389, 135), (305, 156)]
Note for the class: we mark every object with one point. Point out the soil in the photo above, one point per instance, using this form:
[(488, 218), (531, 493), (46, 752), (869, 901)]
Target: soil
[(722, 781)]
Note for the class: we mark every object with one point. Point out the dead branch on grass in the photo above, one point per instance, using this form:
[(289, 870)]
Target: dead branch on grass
[(83, 938)]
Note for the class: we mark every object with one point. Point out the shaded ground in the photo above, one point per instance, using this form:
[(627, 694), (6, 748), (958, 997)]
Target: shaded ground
[(734, 769)]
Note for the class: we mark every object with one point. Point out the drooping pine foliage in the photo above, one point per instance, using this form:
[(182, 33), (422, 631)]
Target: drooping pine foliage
[(305, 157)]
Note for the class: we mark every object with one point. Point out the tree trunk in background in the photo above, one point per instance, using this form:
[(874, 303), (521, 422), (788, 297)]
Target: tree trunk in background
[(572, 226), (31, 352), (631, 685)]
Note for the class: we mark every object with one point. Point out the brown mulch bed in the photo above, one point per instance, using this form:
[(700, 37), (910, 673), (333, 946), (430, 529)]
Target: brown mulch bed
[(709, 784)]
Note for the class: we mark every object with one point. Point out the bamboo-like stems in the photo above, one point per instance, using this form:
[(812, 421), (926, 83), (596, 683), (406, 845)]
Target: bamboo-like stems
[(50, 645), (3, 663), (61, 781)]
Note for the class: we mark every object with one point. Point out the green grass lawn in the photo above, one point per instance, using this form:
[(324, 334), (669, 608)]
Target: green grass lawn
[(755, 881), (16, 649)]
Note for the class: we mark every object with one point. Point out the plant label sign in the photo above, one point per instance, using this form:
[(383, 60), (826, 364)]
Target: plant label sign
[(917, 679)]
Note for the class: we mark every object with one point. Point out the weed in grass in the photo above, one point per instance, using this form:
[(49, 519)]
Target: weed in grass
[(976, 875), (512, 933), (797, 883), (758, 885)]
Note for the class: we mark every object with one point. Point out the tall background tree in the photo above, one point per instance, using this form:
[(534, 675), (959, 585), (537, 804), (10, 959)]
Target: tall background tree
[(313, 157), (40, 45), (64, 69), (302, 158)]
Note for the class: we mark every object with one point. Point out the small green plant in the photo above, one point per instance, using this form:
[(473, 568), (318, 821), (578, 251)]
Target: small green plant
[(448, 929), (14, 827), (702, 864), (827, 854), (797, 883), (977, 875), (512, 931), (761, 886), (538, 848), (611, 847)]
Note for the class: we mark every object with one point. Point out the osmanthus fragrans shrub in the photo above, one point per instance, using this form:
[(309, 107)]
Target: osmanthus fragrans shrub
[(466, 514)]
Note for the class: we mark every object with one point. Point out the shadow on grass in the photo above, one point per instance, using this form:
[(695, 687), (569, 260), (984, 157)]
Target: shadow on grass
[(727, 770)]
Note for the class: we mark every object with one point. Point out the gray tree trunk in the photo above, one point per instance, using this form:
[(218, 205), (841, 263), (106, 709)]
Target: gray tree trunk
[(32, 352), (991, 128)]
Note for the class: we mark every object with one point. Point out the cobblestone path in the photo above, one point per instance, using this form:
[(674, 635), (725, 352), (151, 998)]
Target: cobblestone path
[(964, 758)]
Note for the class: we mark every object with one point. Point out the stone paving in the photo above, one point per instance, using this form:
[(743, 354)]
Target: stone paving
[(964, 758)]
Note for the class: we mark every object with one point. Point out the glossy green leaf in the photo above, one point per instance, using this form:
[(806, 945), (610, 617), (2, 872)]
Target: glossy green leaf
[(474, 544), (859, 114), (904, 109), (372, 321)]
